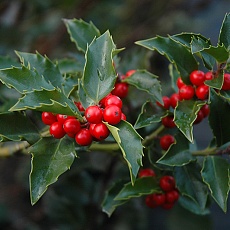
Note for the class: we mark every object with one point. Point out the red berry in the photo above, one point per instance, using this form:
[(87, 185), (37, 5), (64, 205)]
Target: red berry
[(84, 137), (149, 201), (100, 131), (199, 117), (121, 89), (79, 106), (167, 183), (62, 118), (130, 72), (146, 173), (159, 198), (172, 196), (166, 102), (186, 92), (113, 100), (94, 114), (112, 114), (226, 83), (167, 206), (209, 75), (166, 141), (71, 127), (168, 121), (197, 77), (56, 130), (202, 92), (123, 117), (48, 118), (175, 97), (205, 110), (102, 101), (179, 82)]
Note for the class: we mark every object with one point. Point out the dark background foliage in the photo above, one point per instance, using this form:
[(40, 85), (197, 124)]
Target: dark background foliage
[(74, 201)]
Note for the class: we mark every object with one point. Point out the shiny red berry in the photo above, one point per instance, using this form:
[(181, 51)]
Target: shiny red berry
[(113, 100), (146, 172), (197, 77), (121, 89), (199, 117), (168, 121), (186, 92), (79, 106), (84, 137), (62, 118), (172, 196), (112, 114), (94, 114), (56, 130), (166, 102), (100, 131), (166, 141), (209, 75), (202, 92), (48, 118), (167, 183), (71, 126), (226, 83), (179, 82), (175, 97), (102, 101), (205, 110)]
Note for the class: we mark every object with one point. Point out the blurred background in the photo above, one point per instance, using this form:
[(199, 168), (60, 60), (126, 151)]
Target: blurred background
[(37, 25)]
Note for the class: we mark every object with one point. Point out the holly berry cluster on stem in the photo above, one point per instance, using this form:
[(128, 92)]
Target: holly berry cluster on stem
[(109, 109), (168, 195)]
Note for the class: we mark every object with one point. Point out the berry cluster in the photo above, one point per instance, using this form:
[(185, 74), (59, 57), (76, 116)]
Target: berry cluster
[(169, 195), (93, 128)]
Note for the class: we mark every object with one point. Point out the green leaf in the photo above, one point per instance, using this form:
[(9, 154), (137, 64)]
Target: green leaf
[(99, 75), (178, 154), (50, 101), (215, 173), (81, 32), (8, 62), (83, 97), (219, 118), (185, 114), (48, 165), (130, 144), (43, 66), (217, 82), (147, 82), (190, 184), (24, 80), (198, 44), (224, 36), (142, 186), (17, 127), (176, 53), (220, 53), (71, 66), (149, 115), (109, 204), (70, 84)]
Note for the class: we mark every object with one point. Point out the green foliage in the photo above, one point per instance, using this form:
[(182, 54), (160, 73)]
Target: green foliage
[(202, 175)]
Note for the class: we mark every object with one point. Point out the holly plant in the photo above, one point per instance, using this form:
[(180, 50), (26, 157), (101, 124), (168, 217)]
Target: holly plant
[(89, 103)]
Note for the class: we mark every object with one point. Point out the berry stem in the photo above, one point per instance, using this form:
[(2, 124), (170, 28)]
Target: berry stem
[(205, 152)]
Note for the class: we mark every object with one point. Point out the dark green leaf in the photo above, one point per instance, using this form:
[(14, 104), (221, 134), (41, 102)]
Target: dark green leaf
[(142, 186), (224, 36), (174, 76), (43, 66), (70, 84), (109, 204), (215, 173), (185, 114), (219, 118), (81, 32), (72, 66), (220, 53), (176, 53), (50, 101), (190, 184), (178, 154), (83, 97), (149, 115), (198, 45), (208, 60), (130, 144), (17, 127), (7, 62), (147, 82), (99, 75), (48, 165), (24, 80)]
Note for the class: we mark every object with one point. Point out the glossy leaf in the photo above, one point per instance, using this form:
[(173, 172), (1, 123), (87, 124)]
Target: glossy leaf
[(44, 67), (85, 100), (219, 118), (99, 75), (190, 184), (81, 32), (149, 115), (17, 127), (224, 36), (178, 154), (220, 53), (142, 186), (50, 101), (173, 52), (48, 165), (146, 81), (130, 144), (73, 66), (184, 116), (24, 80), (215, 173)]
